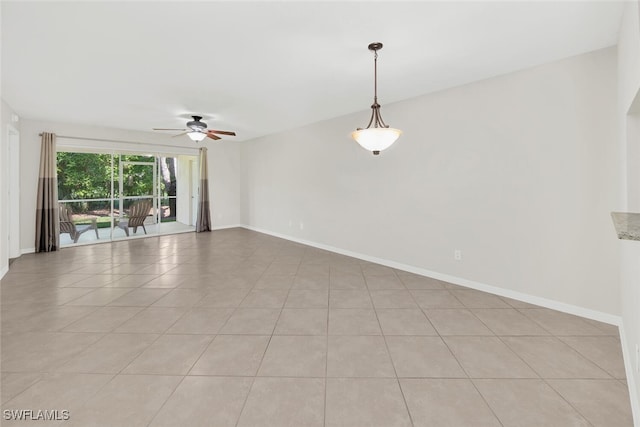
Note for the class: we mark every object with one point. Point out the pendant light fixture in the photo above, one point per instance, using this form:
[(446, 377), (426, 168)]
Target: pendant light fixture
[(377, 136)]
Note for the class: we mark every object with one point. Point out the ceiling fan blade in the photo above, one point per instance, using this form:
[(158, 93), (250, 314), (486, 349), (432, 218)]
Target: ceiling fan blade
[(222, 132), (212, 136), (166, 129), (180, 134)]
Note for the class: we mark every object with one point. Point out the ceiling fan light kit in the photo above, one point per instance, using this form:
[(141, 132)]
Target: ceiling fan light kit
[(377, 136), (197, 136), (197, 130)]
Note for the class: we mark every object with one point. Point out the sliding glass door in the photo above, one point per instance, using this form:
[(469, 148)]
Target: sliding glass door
[(115, 196), (136, 205)]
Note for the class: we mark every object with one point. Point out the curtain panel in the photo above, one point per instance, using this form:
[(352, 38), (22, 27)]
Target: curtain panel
[(203, 221), (47, 214)]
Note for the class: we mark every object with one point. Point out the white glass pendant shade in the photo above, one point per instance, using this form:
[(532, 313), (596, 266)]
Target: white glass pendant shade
[(376, 139), (197, 136)]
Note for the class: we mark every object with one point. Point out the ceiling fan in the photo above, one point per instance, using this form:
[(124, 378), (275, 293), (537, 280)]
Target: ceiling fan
[(197, 130)]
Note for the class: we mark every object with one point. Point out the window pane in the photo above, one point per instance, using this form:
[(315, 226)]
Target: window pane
[(168, 209), (84, 176), (137, 180)]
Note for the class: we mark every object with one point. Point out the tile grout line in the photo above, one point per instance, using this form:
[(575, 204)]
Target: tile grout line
[(393, 365), (455, 358), (264, 352), (544, 379), (151, 419)]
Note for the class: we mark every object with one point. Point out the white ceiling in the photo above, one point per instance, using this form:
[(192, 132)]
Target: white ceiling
[(262, 67)]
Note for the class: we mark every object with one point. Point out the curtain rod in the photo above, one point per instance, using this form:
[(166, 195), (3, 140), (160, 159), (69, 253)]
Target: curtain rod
[(125, 142)]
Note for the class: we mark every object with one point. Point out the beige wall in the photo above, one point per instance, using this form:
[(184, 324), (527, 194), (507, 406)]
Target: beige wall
[(224, 183), (517, 172), (629, 164)]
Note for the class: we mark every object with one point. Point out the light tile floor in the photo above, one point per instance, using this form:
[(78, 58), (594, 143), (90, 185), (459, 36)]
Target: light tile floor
[(236, 328)]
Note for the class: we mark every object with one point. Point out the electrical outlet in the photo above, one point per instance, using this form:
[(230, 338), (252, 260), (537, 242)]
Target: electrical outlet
[(457, 255), (301, 225)]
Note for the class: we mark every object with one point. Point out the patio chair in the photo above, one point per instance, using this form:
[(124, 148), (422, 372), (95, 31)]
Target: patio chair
[(75, 230), (138, 212)]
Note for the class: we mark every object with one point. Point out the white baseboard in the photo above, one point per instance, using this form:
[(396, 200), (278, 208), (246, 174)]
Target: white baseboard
[(630, 372), (4, 271), (520, 296), (224, 227), (28, 251)]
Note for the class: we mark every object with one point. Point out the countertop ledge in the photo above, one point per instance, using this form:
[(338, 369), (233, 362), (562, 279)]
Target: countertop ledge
[(627, 225)]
